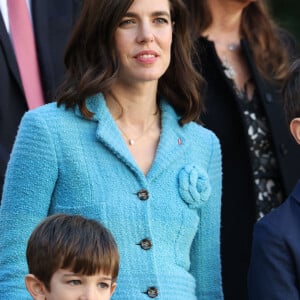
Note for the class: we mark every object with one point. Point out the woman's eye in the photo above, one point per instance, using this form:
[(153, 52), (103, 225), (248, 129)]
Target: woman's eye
[(103, 285), (161, 21), (126, 22), (74, 282)]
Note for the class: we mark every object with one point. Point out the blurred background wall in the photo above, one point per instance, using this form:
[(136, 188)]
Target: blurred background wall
[(287, 14)]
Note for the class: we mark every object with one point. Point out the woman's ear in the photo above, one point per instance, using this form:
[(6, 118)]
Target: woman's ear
[(35, 287), (295, 129)]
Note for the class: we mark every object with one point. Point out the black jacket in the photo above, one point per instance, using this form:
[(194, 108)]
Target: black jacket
[(238, 199), (274, 271)]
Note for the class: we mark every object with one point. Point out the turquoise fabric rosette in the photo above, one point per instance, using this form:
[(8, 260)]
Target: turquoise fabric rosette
[(194, 186)]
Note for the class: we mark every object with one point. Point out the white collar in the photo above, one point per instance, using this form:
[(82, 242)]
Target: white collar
[(4, 12)]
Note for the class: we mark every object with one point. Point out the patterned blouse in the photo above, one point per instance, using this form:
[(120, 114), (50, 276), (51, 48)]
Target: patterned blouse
[(268, 186)]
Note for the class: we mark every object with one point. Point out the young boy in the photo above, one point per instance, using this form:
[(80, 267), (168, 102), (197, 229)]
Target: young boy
[(71, 258), (274, 271)]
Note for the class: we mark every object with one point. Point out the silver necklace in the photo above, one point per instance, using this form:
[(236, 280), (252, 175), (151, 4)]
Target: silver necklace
[(228, 68), (233, 46)]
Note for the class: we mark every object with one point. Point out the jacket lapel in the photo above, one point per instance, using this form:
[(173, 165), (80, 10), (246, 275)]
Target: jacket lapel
[(108, 133), (7, 48), (171, 146), (296, 192), (41, 28)]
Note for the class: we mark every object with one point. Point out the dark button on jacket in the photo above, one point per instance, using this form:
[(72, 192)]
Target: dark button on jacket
[(152, 292), (143, 194), (145, 244)]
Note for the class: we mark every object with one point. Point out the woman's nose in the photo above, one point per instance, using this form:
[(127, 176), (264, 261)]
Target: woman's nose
[(145, 34)]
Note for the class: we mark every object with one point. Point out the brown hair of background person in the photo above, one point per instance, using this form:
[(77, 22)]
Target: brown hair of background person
[(258, 28)]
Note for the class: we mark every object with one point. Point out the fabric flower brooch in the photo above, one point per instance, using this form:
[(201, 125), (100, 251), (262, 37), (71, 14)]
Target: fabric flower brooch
[(194, 186)]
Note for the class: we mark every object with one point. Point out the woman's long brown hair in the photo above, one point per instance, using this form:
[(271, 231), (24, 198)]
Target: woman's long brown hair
[(92, 64)]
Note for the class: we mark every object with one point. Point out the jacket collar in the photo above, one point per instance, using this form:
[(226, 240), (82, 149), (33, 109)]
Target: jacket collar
[(8, 51), (170, 146), (296, 192)]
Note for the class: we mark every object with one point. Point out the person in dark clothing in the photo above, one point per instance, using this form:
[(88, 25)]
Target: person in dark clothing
[(52, 22), (244, 60)]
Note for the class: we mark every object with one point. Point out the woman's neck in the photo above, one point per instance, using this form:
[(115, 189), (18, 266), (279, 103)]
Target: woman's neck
[(137, 115), (225, 32), (133, 105), (226, 20)]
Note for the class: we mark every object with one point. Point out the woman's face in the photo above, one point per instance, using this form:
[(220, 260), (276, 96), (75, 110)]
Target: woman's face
[(143, 41)]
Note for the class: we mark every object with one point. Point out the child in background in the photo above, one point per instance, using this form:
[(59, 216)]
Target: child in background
[(71, 258)]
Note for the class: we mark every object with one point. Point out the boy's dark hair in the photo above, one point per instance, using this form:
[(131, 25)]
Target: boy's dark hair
[(291, 92), (71, 242)]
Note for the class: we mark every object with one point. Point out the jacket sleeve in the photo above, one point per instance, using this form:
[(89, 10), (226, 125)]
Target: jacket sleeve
[(205, 252), (30, 179), (271, 272)]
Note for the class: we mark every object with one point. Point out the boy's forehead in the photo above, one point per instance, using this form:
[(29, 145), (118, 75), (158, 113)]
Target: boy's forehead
[(69, 273)]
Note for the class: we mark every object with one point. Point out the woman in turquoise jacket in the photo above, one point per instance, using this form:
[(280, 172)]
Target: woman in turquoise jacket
[(122, 146)]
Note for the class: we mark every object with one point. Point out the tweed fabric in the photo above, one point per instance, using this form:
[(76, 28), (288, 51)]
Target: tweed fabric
[(64, 163)]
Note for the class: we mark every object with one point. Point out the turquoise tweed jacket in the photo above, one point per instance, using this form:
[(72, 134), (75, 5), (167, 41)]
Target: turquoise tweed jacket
[(166, 223)]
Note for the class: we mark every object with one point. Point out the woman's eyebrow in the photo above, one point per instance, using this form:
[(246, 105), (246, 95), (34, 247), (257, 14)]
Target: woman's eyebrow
[(154, 14)]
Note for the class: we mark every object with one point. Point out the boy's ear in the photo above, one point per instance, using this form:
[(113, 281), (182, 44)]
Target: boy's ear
[(35, 287), (112, 289), (295, 129)]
